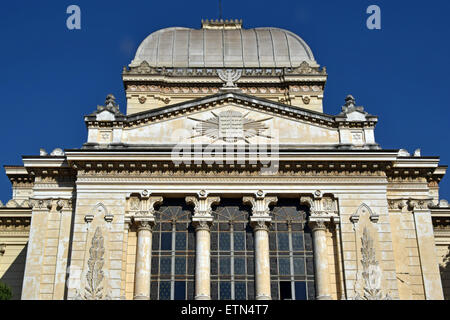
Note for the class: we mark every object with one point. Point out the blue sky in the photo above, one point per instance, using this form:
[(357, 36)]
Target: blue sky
[(52, 76)]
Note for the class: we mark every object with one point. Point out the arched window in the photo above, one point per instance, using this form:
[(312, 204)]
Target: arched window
[(232, 252), (173, 252), (291, 252)]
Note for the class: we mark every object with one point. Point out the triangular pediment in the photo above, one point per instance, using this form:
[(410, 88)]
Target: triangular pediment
[(230, 118)]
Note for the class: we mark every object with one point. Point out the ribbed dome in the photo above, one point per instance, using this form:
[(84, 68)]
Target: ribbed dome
[(215, 48)]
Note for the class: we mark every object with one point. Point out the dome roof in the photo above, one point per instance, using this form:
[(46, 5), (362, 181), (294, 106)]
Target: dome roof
[(223, 47)]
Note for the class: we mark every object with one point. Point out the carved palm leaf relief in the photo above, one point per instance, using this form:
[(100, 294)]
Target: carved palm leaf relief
[(230, 126)]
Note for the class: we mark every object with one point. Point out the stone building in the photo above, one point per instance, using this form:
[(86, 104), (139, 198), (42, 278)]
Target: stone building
[(225, 179)]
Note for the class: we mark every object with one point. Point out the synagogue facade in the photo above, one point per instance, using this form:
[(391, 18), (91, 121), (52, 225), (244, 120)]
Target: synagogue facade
[(225, 179)]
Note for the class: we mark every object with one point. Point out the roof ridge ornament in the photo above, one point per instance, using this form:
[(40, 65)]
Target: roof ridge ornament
[(222, 24)]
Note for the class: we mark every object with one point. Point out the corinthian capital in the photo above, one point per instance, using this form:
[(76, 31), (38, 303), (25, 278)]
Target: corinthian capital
[(260, 203), (317, 224), (202, 203)]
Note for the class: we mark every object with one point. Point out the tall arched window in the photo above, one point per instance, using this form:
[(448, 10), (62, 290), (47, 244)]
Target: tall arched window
[(232, 252), (173, 252), (291, 252)]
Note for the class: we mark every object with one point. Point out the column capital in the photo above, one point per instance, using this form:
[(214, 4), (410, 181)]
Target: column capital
[(260, 203), (419, 204), (320, 204), (202, 203), (318, 224), (144, 223), (260, 223), (202, 223)]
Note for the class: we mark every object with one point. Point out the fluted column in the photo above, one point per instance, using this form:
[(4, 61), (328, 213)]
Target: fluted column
[(260, 221), (202, 221), (319, 235), (143, 259)]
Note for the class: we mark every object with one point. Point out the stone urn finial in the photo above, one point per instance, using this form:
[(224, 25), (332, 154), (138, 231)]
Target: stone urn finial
[(110, 100)]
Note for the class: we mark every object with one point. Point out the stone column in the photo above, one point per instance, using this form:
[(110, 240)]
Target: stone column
[(144, 221), (260, 221), (202, 221), (318, 228), (143, 258)]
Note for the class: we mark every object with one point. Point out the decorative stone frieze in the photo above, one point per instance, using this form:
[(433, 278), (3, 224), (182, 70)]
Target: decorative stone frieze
[(50, 204)]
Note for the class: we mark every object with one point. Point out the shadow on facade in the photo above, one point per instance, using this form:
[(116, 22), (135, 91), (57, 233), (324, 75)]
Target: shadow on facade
[(13, 277), (445, 274)]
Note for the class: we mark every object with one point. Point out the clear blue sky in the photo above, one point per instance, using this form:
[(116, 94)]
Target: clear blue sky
[(52, 76)]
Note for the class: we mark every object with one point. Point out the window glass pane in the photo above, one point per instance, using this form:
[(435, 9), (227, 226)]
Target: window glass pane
[(297, 241), (214, 290), (180, 241), (191, 265), (239, 265), (225, 265), (190, 290), (155, 241), (310, 266), (299, 266), (191, 239), (240, 290), (285, 290), (225, 290), (283, 241), (308, 241), (273, 266), (249, 236), (282, 227), (284, 266), (213, 241), (300, 291), (239, 241), (155, 265), (154, 290), (164, 290), (166, 240), (180, 265), (250, 265), (165, 265), (214, 266), (274, 290), (180, 290), (311, 290), (272, 241), (224, 241)]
